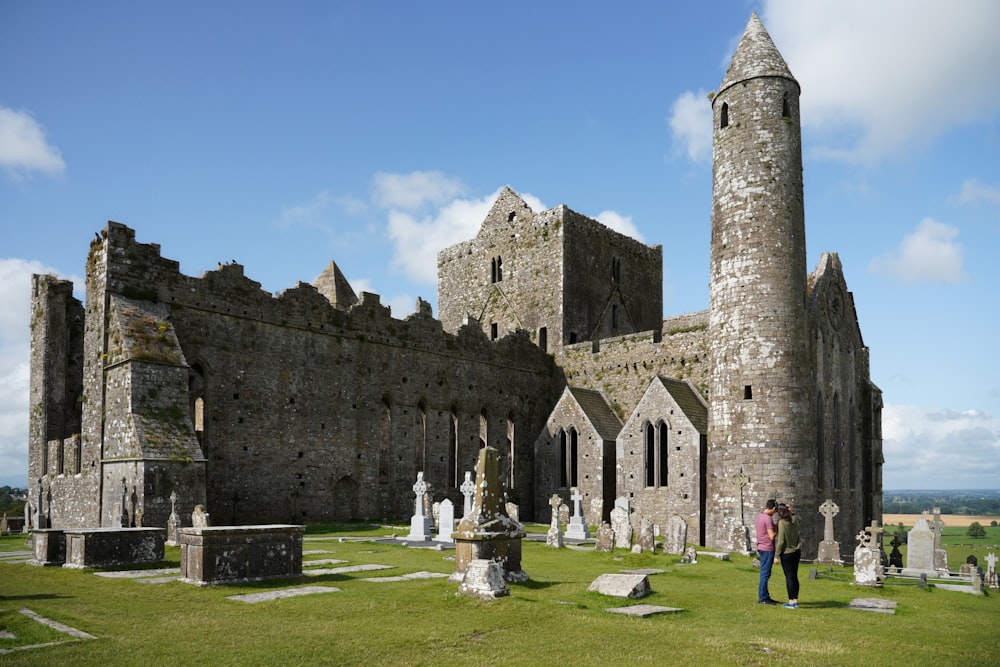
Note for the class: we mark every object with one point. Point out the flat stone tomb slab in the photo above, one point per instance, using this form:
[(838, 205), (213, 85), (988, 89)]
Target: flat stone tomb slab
[(347, 569), (314, 552), (644, 570), (138, 574), (253, 598), (643, 610), (406, 577), (873, 604), (158, 580), (622, 585), (322, 561)]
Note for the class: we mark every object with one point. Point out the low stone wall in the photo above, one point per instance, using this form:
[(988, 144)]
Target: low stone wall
[(106, 547), (48, 547), (226, 554)]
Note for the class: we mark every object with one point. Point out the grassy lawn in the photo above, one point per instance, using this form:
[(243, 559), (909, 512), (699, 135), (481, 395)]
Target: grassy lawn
[(549, 620)]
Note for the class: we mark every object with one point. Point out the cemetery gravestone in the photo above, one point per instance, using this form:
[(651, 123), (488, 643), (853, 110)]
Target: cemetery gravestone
[(829, 548), (577, 529), (200, 518), (554, 538), (646, 540), (620, 524), (605, 538), (920, 550), (676, 538), (468, 489), (868, 557), (446, 521), (420, 523)]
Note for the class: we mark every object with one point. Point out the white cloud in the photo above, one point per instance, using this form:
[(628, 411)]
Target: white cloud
[(15, 348), (929, 254), (939, 449), (620, 223), (413, 191), (23, 147), (973, 191), (691, 125), (878, 77)]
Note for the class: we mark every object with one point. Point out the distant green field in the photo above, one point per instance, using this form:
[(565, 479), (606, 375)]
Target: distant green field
[(550, 620)]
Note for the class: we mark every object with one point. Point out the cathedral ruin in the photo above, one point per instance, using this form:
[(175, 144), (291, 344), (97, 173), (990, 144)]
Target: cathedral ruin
[(550, 345)]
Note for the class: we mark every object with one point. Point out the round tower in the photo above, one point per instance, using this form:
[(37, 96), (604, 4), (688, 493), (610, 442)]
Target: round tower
[(760, 429)]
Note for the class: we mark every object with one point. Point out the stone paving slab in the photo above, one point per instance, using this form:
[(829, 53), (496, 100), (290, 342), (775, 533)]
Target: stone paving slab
[(958, 587), (879, 605), (15, 554), (322, 561), (406, 577), (622, 585), (56, 625), (644, 570), (313, 552), (253, 598), (643, 610), (346, 569), (157, 580), (137, 574)]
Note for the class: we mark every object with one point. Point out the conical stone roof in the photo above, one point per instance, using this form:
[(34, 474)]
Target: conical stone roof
[(756, 56)]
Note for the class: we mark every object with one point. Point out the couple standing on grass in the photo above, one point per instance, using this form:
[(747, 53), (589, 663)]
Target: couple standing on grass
[(778, 539)]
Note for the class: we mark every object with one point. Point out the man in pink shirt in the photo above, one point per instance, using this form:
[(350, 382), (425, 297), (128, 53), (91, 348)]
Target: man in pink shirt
[(764, 528)]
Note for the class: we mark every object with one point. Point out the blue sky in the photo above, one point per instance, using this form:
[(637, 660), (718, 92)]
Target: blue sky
[(376, 133)]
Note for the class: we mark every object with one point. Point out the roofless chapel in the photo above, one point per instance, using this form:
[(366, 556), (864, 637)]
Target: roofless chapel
[(550, 345)]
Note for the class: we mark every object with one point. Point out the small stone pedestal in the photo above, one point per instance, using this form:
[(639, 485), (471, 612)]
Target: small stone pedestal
[(486, 533)]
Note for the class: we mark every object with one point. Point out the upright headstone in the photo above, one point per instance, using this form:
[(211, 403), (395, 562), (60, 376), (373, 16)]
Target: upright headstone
[(428, 505), (991, 571), (829, 548), (554, 538), (420, 523), (173, 522), (646, 541), (596, 511), (624, 503), (622, 527), (468, 489), (605, 538), (564, 515), (513, 511), (436, 516), (868, 557), (577, 529), (920, 550), (3, 524), (676, 537), (940, 555), (446, 520), (200, 518)]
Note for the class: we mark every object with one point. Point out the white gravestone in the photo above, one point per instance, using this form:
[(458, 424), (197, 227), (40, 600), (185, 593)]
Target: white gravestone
[(620, 524), (868, 557), (468, 490), (829, 548), (676, 537), (920, 550), (420, 524), (577, 528), (446, 520)]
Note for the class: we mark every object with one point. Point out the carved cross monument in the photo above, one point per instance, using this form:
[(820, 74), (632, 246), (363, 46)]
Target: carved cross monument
[(420, 523), (829, 548), (468, 489), (554, 538)]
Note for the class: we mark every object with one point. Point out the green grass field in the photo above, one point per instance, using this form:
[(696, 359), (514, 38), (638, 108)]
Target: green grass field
[(549, 620)]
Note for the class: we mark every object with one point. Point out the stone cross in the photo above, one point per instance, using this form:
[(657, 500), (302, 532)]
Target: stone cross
[(173, 502), (829, 510), (869, 536), (420, 488), (468, 489), (554, 502), (577, 499), (554, 538)]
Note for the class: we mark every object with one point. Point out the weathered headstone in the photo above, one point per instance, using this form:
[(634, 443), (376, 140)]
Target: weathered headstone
[(631, 586), (622, 527), (487, 532), (829, 548), (200, 518), (446, 520), (513, 511), (676, 536), (554, 538), (868, 557), (596, 511), (624, 503), (468, 490), (173, 522), (605, 538), (646, 541), (564, 515), (920, 550), (3, 524), (420, 523), (436, 515), (991, 571), (484, 579), (577, 528), (940, 555)]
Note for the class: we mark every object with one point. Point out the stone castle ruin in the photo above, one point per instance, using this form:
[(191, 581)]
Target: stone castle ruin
[(550, 346)]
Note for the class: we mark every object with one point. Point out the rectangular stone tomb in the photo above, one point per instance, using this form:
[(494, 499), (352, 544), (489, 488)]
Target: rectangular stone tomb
[(48, 547), (224, 554), (107, 547)]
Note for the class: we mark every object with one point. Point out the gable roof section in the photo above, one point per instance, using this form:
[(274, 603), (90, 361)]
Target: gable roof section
[(688, 400), (600, 414)]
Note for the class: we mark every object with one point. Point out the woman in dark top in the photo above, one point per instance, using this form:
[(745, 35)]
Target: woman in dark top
[(788, 548)]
